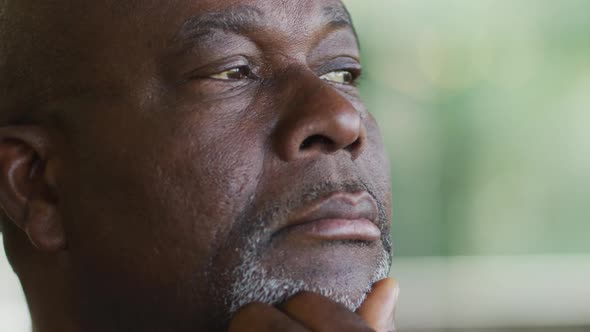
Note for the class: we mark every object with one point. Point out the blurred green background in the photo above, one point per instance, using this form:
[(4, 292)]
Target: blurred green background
[(485, 108)]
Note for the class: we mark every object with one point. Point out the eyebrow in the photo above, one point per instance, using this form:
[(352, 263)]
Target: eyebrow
[(237, 19), (241, 19), (337, 16)]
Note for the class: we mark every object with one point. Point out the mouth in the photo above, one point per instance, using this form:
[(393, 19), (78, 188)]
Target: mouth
[(340, 216)]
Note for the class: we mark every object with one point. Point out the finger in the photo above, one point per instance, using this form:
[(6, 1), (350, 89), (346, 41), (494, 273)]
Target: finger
[(319, 313), (379, 307), (259, 317)]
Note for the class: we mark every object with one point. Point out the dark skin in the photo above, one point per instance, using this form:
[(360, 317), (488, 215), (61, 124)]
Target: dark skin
[(143, 143)]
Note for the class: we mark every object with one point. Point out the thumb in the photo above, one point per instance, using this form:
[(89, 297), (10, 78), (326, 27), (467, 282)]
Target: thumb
[(379, 308)]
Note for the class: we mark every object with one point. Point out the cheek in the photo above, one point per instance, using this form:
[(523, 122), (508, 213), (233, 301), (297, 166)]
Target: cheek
[(148, 206), (210, 181)]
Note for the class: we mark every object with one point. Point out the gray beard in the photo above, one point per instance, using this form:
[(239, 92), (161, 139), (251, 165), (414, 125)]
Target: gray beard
[(253, 283)]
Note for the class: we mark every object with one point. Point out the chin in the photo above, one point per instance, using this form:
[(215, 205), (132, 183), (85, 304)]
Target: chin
[(342, 272)]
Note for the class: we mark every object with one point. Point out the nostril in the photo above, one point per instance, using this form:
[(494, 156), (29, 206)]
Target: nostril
[(311, 141), (355, 145)]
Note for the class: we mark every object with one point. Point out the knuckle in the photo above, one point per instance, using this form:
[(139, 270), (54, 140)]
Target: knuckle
[(280, 325), (246, 311), (301, 297), (365, 329), (357, 327), (250, 308)]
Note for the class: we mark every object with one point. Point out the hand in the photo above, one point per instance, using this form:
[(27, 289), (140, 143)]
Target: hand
[(378, 310), (312, 312)]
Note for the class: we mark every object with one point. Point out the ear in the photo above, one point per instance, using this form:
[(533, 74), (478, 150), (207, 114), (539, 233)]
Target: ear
[(27, 185)]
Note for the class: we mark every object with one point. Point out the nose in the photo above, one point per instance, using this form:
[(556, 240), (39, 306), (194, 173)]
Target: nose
[(317, 120)]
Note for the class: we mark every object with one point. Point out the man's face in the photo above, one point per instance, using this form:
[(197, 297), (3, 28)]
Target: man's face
[(198, 134)]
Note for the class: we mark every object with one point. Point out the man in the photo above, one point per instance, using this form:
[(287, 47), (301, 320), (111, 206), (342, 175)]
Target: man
[(191, 166)]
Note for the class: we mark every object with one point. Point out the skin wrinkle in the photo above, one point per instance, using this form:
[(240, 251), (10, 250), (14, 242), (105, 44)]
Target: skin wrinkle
[(171, 186)]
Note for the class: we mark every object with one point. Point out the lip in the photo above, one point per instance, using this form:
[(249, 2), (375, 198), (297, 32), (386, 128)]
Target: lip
[(339, 216)]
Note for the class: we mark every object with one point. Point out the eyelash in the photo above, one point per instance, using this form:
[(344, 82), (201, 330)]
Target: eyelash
[(246, 72), (356, 74)]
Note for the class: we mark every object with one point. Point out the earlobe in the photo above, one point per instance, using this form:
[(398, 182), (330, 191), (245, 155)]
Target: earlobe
[(27, 194), (43, 226)]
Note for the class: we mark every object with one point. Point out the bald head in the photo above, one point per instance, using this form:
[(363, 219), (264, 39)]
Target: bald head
[(48, 53), (26, 56)]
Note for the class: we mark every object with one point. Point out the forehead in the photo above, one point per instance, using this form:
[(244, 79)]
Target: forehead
[(280, 15), (290, 19), (287, 7), (179, 23)]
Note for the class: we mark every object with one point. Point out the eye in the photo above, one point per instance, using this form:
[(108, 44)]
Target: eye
[(339, 76), (234, 74)]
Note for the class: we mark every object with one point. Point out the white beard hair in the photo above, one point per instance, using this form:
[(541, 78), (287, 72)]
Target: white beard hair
[(253, 283)]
